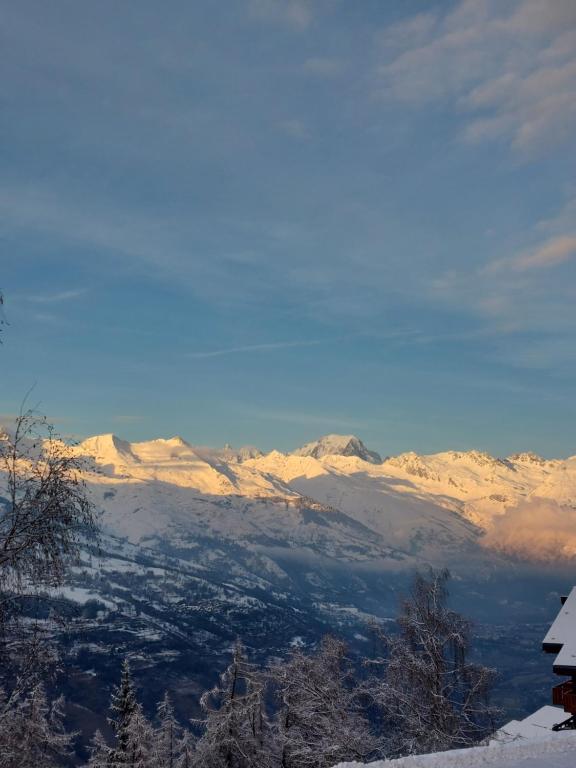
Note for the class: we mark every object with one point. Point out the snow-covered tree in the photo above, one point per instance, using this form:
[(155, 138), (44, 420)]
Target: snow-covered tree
[(44, 514), (430, 695), (100, 752), (320, 720), (235, 724), (45, 510), (123, 706), (9, 727), (186, 750), (167, 741), (139, 742), (32, 732)]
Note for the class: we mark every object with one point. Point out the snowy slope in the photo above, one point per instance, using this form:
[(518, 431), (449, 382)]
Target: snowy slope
[(557, 751), (519, 504), (175, 462), (397, 511)]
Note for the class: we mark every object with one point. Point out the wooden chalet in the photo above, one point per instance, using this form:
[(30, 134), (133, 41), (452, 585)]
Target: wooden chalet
[(561, 640)]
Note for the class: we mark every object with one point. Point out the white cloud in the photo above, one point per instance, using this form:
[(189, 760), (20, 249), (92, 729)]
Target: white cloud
[(510, 68), (537, 529)]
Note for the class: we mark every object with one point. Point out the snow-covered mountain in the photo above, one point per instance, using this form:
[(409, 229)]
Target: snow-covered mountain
[(335, 498), (338, 445)]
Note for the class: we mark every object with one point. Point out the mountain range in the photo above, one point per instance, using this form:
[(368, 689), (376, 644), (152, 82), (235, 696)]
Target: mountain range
[(336, 498)]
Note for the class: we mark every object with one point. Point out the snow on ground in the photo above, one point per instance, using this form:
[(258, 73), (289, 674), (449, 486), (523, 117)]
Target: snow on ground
[(557, 751), (80, 595)]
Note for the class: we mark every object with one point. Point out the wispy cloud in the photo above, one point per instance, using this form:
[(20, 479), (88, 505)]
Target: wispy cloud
[(524, 291), (555, 251), (46, 318), (154, 243), (509, 68), (554, 244), (267, 347), (407, 335), (56, 298), (546, 254)]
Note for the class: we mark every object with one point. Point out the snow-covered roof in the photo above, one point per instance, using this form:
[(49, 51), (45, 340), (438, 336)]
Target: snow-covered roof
[(537, 726), (561, 637)]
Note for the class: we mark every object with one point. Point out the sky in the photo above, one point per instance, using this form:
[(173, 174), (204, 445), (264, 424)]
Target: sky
[(261, 221)]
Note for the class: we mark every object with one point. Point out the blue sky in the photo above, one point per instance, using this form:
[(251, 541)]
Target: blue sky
[(265, 220)]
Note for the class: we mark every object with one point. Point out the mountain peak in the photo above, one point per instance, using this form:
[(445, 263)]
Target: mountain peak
[(338, 445), (527, 457), (107, 448), (108, 441), (172, 441)]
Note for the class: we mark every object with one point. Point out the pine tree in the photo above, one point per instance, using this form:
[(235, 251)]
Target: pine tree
[(432, 697), (100, 752), (123, 706), (139, 751), (186, 751), (168, 735), (236, 729), (320, 720)]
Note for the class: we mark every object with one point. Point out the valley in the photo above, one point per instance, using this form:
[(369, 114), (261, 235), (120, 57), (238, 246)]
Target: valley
[(201, 546)]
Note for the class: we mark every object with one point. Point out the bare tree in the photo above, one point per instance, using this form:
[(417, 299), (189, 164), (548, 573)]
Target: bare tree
[(235, 724), (33, 734), (320, 720), (431, 696), (45, 513)]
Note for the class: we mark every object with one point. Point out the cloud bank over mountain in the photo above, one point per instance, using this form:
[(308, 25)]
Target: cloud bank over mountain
[(536, 529)]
